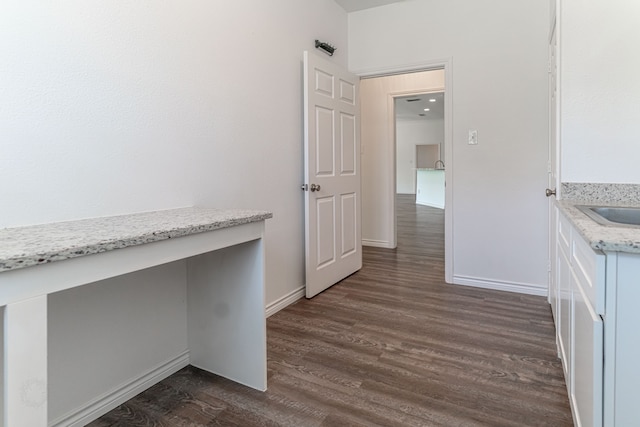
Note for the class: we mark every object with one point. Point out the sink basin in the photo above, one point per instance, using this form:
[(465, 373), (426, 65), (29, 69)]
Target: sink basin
[(613, 216)]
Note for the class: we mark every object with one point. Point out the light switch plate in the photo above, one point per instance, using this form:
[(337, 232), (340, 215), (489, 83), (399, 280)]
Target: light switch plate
[(473, 137)]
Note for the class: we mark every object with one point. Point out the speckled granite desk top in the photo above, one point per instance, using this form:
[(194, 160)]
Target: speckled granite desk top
[(39, 244), (601, 237)]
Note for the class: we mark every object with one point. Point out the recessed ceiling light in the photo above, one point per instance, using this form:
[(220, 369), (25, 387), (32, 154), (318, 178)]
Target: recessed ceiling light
[(426, 109), (432, 100)]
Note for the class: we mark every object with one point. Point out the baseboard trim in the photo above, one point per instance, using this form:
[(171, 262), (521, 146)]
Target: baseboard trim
[(108, 401), (520, 288), (377, 243), (285, 301)]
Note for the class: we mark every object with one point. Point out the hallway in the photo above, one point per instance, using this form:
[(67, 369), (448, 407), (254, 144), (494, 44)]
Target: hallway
[(391, 345)]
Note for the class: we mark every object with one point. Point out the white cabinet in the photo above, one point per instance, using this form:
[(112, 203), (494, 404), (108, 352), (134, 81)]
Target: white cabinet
[(586, 384), (597, 297), (588, 289), (622, 340), (564, 298), (580, 277)]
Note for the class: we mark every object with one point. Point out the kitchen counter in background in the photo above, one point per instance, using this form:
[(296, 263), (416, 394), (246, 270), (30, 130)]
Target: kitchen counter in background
[(430, 187)]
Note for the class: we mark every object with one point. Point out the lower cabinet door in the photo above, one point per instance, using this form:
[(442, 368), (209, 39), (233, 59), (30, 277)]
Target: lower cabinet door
[(586, 393), (565, 314)]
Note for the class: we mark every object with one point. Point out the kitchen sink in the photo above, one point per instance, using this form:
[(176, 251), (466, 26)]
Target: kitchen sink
[(613, 216)]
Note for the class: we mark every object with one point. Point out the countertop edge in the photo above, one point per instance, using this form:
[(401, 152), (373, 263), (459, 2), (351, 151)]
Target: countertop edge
[(231, 218), (600, 237)]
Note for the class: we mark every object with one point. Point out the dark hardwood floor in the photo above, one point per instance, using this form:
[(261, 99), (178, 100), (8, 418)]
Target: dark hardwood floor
[(391, 345)]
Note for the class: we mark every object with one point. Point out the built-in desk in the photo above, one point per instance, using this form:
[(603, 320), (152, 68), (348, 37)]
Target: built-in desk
[(225, 315)]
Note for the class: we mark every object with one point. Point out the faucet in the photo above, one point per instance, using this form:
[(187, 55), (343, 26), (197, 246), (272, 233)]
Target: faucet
[(436, 165)]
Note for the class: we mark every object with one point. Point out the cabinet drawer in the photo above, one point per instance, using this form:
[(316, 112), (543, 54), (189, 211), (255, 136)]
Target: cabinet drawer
[(589, 268)]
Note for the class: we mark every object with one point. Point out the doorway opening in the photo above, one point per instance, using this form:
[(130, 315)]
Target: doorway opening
[(379, 94), (419, 138)]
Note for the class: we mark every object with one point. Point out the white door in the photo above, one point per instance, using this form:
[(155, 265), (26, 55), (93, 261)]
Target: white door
[(333, 247), (553, 175)]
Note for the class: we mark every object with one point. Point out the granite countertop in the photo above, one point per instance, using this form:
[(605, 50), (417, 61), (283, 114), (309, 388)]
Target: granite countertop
[(601, 237), (22, 247)]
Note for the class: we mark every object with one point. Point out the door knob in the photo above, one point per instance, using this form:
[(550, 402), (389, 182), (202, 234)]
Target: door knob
[(314, 187), (548, 192)]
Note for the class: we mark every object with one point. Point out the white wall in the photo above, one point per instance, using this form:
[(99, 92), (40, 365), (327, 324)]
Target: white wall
[(104, 334), (599, 91), (120, 107), (498, 51), (409, 134)]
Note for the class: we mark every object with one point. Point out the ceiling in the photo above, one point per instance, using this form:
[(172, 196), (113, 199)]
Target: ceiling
[(355, 5), (412, 107)]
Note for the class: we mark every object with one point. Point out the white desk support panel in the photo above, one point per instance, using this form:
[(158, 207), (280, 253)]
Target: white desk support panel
[(225, 303)]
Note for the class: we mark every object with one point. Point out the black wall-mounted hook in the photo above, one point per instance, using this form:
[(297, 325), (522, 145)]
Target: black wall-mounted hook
[(325, 47)]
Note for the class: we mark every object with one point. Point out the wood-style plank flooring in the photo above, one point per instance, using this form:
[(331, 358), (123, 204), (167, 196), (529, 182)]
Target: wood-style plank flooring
[(391, 345)]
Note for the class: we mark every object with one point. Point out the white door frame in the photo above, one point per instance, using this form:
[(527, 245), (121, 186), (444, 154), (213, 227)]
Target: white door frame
[(444, 64)]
